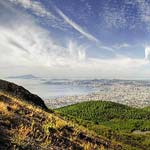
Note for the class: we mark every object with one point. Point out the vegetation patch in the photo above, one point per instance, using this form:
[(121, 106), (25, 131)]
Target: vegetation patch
[(112, 120)]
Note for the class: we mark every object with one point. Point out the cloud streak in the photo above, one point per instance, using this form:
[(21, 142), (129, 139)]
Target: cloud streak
[(34, 47), (35, 6), (39, 10), (76, 26), (147, 53)]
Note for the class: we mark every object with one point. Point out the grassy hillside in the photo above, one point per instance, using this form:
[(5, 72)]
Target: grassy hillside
[(112, 120), (21, 93), (27, 126), (147, 108)]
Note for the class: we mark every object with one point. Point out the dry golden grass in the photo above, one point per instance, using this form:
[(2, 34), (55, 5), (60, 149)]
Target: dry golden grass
[(90, 146), (60, 123), (46, 142), (40, 124), (3, 107), (102, 147), (20, 134)]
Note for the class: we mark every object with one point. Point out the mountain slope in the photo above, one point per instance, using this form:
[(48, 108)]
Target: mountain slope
[(26, 76), (21, 93), (112, 120), (25, 125)]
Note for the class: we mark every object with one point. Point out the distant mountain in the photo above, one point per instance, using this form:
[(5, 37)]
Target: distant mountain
[(27, 76)]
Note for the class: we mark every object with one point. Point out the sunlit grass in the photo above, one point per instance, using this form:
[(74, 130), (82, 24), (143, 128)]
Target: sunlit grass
[(32, 124)]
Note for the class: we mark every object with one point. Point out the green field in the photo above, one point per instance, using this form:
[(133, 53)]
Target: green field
[(112, 120)]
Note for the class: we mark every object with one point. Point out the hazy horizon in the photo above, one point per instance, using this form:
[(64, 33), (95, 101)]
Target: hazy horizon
[(35, 77)]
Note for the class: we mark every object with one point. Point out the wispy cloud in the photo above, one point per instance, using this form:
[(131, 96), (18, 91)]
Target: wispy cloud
[(76, 26), (37, 52), (123, 16), (113, 16), (35, 6), (144, 12), (122, 45), (39, 10), (147, 53), (32, 45)]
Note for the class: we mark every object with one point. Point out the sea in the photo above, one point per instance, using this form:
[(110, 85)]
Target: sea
[(51, 90)]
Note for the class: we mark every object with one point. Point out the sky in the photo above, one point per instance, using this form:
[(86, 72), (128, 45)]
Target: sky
[(75, 38)]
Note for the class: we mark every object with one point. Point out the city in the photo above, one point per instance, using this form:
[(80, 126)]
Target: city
[(131, 93)]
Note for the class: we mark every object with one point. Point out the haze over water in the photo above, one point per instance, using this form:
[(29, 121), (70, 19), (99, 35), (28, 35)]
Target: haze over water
[(49, 91)]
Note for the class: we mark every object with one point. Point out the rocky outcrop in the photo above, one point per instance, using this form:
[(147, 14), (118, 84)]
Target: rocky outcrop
[(21, 93)]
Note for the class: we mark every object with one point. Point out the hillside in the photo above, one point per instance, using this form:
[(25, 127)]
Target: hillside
[(115, 121), (21, 93), (27, 124)]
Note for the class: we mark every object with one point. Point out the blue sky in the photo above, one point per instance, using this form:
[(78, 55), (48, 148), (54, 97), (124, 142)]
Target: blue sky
[(75, 38)]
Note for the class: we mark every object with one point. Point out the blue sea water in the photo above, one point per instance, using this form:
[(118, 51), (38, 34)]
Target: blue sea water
[(50, 91)]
